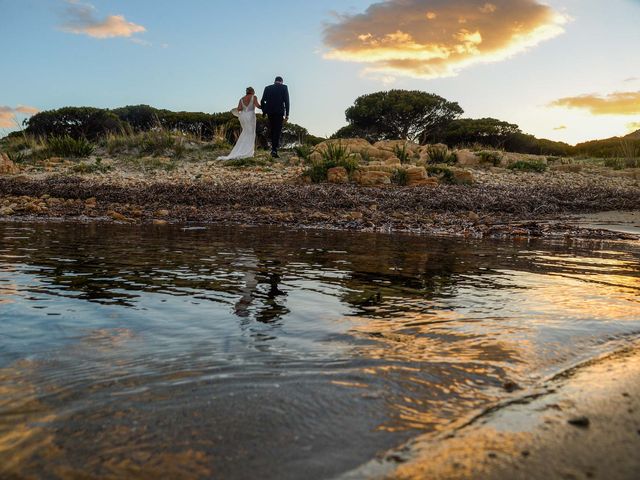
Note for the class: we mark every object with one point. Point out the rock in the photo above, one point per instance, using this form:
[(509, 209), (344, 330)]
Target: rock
[(162, 213), (464, 177), (353, 216), (90, 202), (466, 158), (337, 175), (117, 216), (391, 145), (7, 167), (423, 182), (6, 211), (159, 222), (375, 177), (581, 421), (508, 385), (416, 176), (353, 144), (393, 161)]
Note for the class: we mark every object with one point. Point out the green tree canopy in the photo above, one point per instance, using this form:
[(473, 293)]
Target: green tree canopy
[(401, 114), (484, 131)]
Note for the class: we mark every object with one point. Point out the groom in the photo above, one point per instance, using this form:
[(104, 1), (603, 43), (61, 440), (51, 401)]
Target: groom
[(275, 104)]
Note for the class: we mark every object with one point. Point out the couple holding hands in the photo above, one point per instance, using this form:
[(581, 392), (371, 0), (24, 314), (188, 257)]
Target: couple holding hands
[(274, 104)]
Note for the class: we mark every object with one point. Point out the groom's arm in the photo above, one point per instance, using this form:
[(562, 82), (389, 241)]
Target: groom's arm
[(287, 104), (263, 102)]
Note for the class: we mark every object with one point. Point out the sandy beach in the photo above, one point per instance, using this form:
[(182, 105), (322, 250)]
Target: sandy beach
[(582, 424)]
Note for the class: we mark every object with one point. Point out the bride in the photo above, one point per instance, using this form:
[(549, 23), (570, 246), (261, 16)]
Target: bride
[(246, 144)]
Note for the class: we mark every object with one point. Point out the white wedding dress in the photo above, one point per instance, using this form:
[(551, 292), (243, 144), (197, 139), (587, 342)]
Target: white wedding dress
[(246, 145)]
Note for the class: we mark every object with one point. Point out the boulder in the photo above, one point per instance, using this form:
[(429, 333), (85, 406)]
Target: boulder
[(7, 166), (373, 177), (415, 175), (353, 144), (337, 175), (466, 158), (393, 161), (464, 177), (391, 145)]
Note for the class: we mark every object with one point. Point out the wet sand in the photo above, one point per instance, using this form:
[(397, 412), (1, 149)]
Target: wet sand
[(582, 424)]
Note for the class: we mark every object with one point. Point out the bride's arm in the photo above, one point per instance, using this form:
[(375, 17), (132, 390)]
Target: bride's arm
[(240, 106), (256, 102)]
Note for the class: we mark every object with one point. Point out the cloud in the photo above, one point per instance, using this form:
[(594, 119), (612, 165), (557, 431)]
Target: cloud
[(560, 127), (633, 126), (80, 18), (618, 103), (438, 38), (8, 114), (631, 79)]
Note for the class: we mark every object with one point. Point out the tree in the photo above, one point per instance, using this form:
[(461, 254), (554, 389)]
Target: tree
[(484, 131), (401, 114)]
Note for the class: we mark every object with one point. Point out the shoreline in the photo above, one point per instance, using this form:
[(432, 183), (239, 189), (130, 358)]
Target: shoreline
[(582, 423), (532, 209)]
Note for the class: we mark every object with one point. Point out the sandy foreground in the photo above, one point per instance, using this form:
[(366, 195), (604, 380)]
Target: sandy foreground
[(582, 424)]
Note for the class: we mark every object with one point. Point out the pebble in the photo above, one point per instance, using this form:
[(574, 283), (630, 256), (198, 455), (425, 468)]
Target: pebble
[(581, 421)]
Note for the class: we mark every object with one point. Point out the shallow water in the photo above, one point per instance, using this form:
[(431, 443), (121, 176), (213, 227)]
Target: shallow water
[(266, 353)]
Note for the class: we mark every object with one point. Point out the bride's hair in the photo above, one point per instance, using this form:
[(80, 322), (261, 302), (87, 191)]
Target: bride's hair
[(250, 91)]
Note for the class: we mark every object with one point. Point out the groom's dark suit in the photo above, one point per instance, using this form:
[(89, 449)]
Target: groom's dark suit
[(275, 104)]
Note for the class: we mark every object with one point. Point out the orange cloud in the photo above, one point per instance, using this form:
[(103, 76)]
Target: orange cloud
[(438, 38), (81, 20), (8, 117), (618, 103), (560, 127)]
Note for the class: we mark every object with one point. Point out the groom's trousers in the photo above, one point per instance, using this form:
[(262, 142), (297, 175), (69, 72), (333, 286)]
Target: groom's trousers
[(275, 127)]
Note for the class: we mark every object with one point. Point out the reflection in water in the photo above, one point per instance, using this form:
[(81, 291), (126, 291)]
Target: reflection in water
[(130, 351)]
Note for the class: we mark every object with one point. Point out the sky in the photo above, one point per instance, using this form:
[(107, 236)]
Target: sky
[(566, 70)]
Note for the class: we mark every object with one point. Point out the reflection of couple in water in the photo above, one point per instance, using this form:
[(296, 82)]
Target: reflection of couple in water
[(270, 310)]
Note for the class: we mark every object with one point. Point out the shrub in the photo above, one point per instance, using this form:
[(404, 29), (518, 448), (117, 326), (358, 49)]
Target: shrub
[(67, 146), (336, 155), (402, 153), (400, 176), (528, 166), (441, 155), (443, 173), (303, 151), (156, 143), (98, 166), (492, 157), (621, 163)]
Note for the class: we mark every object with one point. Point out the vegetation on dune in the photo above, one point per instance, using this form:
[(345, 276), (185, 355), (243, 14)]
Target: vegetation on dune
[(416, 116), (438, 154), (335, 155), (528, 166), (68, 146)]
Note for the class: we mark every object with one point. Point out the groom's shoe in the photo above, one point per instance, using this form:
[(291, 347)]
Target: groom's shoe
[(274, 154)]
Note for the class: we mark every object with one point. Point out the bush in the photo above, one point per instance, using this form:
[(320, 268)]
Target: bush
[(303, 151), (400, 177), (69, 147), (443, 173), (492, 157), (402, 153), (336, 155), (441, 155), (98, 166), (621, 163), (156, 143), (528, 166)]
